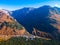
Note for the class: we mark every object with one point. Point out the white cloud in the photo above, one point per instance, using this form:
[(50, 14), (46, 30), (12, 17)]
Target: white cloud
[(57, 5)]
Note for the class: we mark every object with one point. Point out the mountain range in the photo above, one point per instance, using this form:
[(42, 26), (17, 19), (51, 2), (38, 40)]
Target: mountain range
[(45, 19), (43, 22)]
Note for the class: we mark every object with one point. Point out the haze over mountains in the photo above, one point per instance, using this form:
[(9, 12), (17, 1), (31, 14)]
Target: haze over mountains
[(45, 19)]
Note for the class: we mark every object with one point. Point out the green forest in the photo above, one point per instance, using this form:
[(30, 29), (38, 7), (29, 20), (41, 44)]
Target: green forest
[(22, 41)]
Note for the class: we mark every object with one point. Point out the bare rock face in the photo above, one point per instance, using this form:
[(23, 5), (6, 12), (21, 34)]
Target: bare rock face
[(8, 25)]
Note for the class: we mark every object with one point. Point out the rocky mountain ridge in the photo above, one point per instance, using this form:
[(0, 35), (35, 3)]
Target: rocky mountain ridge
[(45, 19)]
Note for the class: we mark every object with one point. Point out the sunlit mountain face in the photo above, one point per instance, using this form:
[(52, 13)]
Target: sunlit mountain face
[(8, 25), (45, 19)]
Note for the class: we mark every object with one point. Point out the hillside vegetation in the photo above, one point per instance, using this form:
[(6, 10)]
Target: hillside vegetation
[(22, 41), (8, 25)]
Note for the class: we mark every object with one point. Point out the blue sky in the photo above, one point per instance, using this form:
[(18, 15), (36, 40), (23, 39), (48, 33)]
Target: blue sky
[(18, 4)]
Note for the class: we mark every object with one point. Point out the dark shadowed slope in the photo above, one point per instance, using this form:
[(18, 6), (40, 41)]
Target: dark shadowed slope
[(43, 19)]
